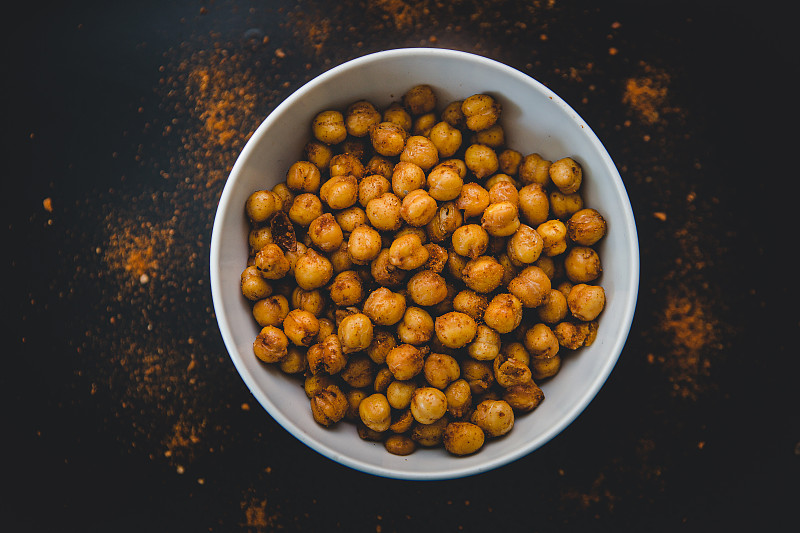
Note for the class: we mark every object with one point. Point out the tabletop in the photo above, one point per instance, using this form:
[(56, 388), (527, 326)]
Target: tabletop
[(126, 412)]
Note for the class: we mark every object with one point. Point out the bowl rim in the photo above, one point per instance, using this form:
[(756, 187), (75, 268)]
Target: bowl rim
[(379, 470)]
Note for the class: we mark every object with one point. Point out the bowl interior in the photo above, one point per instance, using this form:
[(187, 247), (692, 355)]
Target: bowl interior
[(535, 120)]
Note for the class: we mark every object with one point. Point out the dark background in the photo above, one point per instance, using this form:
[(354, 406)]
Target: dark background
[(122, 409)]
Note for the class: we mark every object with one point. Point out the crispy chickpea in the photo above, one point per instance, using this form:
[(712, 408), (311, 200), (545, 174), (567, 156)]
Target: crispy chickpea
[(573, 335), (329, 128), (388, 138), (586, 227), (294, 362), (329, 405), (534, 205), (384, 307), (254, 286), (418, 208), (271, 344), (459, 398), (285, 194), (375, 412), (258, 238), (531, 286), (481, 111), (554, 235), (455, 330), (423, 124), (437, 257), (473, 200), (510, 270), (384, 212), (271, 311), (493, 136), (494, 417), (509, 161), (271, 262), (482, 274), (504, 313), (463, 438), (407, 252), (524, 397), (566, 174), (384, 272), (501, 219), (428, 404), (397, 114), (421, 151), (340, 258), (350, 218), (426, 288), (445, 138), (399, 393), (534, 169), (478, 374), (359, 372), (486, 344), (399, 445), (470, 240), (359, 116), (346, 289), (582, 264), (563, 205), (303, 176), (295, 254), (364, 244), (326, 327), (301, 327), (416, 327), (456, 264), (405, 361), (447, 218), (440, 370), (554, 307), (312, 270), (325, 233), (503, 191), (316, 382), (346, 164), (453, 115), (420, 99), (318, 153), (407, 177), (305, 208), (339, 192), (586, 302), (372, 186), (540, 341), (525, 245), (355, 333), (380, 165), (471, 303), (456, 164), (261, 205), (382, 343), (444, 183), (429, 435), (516, 350), (481, 160), (509, 371), (354, 397)]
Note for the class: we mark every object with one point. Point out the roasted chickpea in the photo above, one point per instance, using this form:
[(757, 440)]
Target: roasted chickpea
[(384, 307), (445, 138), (329, 405), (586, 227), (407, 177), (509, 161), (429, 435), (463, 438), (455, 330), (379, 165), (486, 344), (303, 177), (384, 212), (540, 341), (509, 371), (261, 205), (534, 169), (407, 252), (493, 136), (372, 186), (428, 404), (420, 99), (502, 190), (504, 313), (481, 160), (350, 218), (586, 302), (446, 220), (420, 151), (271, 344), (418, 208), (312, 301), (437, 258), (326, 327), (501, 219), (478, 374), (554, 307), (375, 412), (426, 288), (471, 303), (554, 235), (359, 372), (359, 116), (384, 272), (329, 128), (453, 115), (312, 270), (566, 174), (399, 445), (473, 200), (545, 367), (271, 311), (531, 286), (524, 397), (482, 274), (525, 245), (325, 233), (340, 259), (582, 264), (405, 361), (346, 164), (573, 335), (339, 192), (459, 398), (346, 289), (305, 208), (388, 138), (364, 244), (440, 370), (254, 286), (481, 111), (294, 362), (399, 393), (318, 153), (271, 263), (355, 333), (444, 183), (301, 327), (494, 417), (416, 327), (258, 238), (470, 240), (563, 205), (534, 205), (316, 382), (295, 254), (423, 124)]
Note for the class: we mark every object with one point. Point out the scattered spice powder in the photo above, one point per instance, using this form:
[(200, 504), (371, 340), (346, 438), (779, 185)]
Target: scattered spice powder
[(647, 95)]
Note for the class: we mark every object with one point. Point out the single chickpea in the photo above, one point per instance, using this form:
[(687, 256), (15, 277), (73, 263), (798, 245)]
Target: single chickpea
[(354, 397), (516, 350), (359, 372), (453, 115), (384, 212), (407, 177), (437, 257), (294, 255), (525, 246), (582, 264), (325, 233), (355, 333), (301, 327), (271, 344), (531, 286), (340, 259), (382, 343), (486, 344), (534, 205), (554, 307), (455, 330), (573, 335), (271, 263), (420, 99), (478, 374), (305, 208), (346, 289), (510, 269), (346, 164), (504, 313), (379, 165), (426, 288), (416, 327), (471, 303), (399, 444), (586, 227), (429, 435), (339, 192), (397, 114), (493, 136), (481, 111), (359, 116), (372, 186), (258, 238), (509, 371), (285, 194), (440, 370), (303, 177), (316, 382), (312, 270), (503, 191), (482, 274), (456, 164), (318, 153), (388, 138), (261, 205), (554, 235), (254, 286), (473, 200), (326, 327), (524, 397), (540, 341), (448, 217), (418, 208), (463, 438), (545, 367), (399, 393), (509, 161), (328, 127), (294, 362), (501, 219), (445, 138), (407, 252), (534, 169), (444, 183), (271, 311), (456, 264), (470, 240), (586, 302), (375, 412), (420, 151), (329, 405), (351, 217), (384, 307), (423, 124), (364, 244), (459, 398), (428, 404), (384, 272), (566, 174), (494, 417), (405, 361), (481, 160), (565, 205)]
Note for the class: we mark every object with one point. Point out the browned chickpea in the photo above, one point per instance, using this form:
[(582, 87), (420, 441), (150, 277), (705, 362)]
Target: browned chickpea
[(375, 412), (271, 263), (325, 233), (582, 264), (429, 435), (440, 370), (407, 252), (301, 327), (586, 302), (486, 344), (494, 417), (516, 350), (453, 115), (563, 205), (254, 286), (354, 397), (397, 114), (428, 404), (399, 393), (455, 330), (305, 208), (346, 289), (525, 245), (478, 374), (504, 313), (426, 288), (294, 255), (446, 138), (509, 161), (586, 227), (423, 124), (294, 362), (318, 153), (258, 238), (420, 151), (534, 205), (554, 307), (524, 397), (405, 361), (566, 174), (418, 208), (481, 111), (383, 379), (384, 272), (510, 269), (261, 205), (459, 398), (359, 116), (351, 217), (339, 192), (372, 186), (285, 194), (531, 286), (509, 371), (346, 164), (420, 99), (463, 438), (444, 183), (407, 177), (340, 258), (384, 212), (384, 307), (573, 335), (364, 244), (448, 217), (540, 341), (470, 240), (312, 270), (382, 343), (271, 344), (359, 372), (503, 191), (328, 127), (471, 303), (481, 160), (534, 169), (271, 311), (473, 200), (416, 327), (380, 165), (501, 219), (303, 176), (482, 274), (399, 445), (316, 382), (355, 333), (493, 136), (437, 257), (326, 327), (388, 138), (554, 235), (329, 405)]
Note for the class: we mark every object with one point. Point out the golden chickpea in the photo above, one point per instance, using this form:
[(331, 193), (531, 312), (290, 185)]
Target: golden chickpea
[(554, 235), (463, 438), (582, 264), (359, 116), (271, 344), (486, 344), (384, 307), (326, 327), (407, 252), (355, 333), (501, 219), (459, 398), (312, 270), (301, 327), (586, 227), (420, 99), (359, 372), (444, 183), (426, 288), (573, 335), (294, 255), (407, 177), (540, 341), (478, 374), (340, 258), (375, 412), (271, 311), (440, 370), (329, 128), (453, 115), (305, 208), (329, 405), (303, 177), (418, 208), (382, 343), (254, 286), (524, 397), (339, 192), (509, 161), (423, 124), (399, 445), (428, 404), (534, 169), (503, 191), (510, 269), (470, 240), (481, 111), (261, 205), (416, 327), (271, 263), (294, 362), (388, 138), (258, 238), (397, 114), (420, 151), (455, 330), (429, 435), (325, 233), (531, 286), (554, 307), (494, 417), (346, 164), (509, 371), (504, 313), (384, 212), (545, 367), (493, 136), (350, 218), (437, 258), (318, 153), (563, 205), (399, 393), (481, 160), (379, 165), (482, 274), (316, 382), (534, 205), (448, 217), (384, 272), (445, 138), (566, 174), (405, 361), (586, 302), (285, 194), (346, 289), (372, 186), (364, 244), (516, 350), (473, 200), (525, 245), (354, 397), (471, 303)]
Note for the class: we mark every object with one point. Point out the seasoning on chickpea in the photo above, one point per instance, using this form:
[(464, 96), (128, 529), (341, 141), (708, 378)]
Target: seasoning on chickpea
[(421, 151), (471, 303), (470, 240), (446, 138), (355, 333), (531, 286), (271, 262), (328, 127), (482, 274), (383, 212), (418, 208), (525, 245), (427, 288), (405, 361), (440, 370), (586, 227), (494, 417), (261, 205), (364, 244), (481, 111), (486, 344), (384, 307), (463, 438), (481, 160), (375, 412), (501, 219), (455, 330), (586, 302), (473, 200), (444, 183), (359, 116), (271, 344), (416, 326), (407, 252), (346, 288), (271, 310), (325, 233), (312, 270), (446, 220), (305, 208), (254, 286), (566, 174), (504, 313), (329, 405), (582, 264)]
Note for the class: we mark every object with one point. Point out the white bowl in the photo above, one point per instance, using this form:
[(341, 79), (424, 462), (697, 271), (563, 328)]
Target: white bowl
[(535, 120)]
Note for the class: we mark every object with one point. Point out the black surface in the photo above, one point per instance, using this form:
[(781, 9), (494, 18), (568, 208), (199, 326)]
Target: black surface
[(124, 411)]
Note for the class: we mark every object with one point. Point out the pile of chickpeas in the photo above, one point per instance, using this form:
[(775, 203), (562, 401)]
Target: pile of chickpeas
[(419, 276)]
